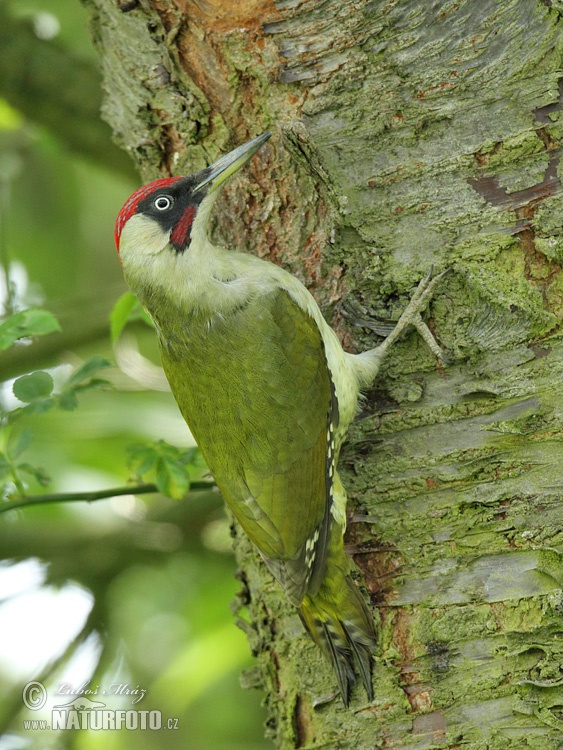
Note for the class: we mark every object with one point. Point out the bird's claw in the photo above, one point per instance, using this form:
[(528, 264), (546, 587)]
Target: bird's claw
[(412, 315)]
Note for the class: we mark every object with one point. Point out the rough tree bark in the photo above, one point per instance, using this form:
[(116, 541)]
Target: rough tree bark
[(408, 134)]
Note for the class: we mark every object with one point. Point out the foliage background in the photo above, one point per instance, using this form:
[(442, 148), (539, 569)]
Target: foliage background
[(128, 591)]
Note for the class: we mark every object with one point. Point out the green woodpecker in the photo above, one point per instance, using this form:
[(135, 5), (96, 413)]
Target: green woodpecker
[(267, 391)]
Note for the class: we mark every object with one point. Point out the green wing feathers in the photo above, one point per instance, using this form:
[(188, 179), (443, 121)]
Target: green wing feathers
[(255, 390)]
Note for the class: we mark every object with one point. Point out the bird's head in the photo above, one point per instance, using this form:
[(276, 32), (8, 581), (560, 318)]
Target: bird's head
[(166, 215)]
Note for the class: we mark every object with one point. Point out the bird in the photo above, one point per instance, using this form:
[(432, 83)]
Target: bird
[(267, 391)]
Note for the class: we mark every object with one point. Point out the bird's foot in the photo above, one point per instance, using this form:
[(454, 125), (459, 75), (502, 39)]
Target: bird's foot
[(412, 316)]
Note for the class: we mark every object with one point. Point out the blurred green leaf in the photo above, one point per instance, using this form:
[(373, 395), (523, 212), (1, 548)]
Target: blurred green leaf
[(81, 380), (38, 472), (127, 308), (170, 464), (34, 387), (67, 401), (91, 384), (19, 442), (172, 478), (32, 322), (142, 459), (190, 456), (86, 371), (120, 314)]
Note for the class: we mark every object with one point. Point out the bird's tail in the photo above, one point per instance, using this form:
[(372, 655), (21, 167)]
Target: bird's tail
[(339, 621)]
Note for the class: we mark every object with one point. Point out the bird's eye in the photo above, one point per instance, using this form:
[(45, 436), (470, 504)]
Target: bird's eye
[(163, 203)]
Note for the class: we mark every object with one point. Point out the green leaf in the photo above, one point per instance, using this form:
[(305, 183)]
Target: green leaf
[(38, 472), (19, 442), (28, 388), (120, 314), (82, 380), (127, 308), (86, 371), (42, 476), (172, 478), (170, 464), (142, 458), (189, 456), (67, 401), (32, 322), (92, 384)]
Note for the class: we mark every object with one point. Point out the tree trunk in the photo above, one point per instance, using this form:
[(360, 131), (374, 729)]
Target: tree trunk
[(407, 135)]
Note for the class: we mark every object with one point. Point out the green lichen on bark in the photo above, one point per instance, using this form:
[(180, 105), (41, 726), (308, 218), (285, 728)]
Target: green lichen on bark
[(470, 512)]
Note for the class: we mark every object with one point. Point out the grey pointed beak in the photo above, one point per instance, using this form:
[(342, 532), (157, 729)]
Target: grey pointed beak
[(215, 175)]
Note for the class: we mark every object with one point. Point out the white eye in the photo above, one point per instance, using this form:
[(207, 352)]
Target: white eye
[(163, 202)]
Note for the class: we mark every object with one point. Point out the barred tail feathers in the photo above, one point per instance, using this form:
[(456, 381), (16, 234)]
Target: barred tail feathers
[(340, 623)]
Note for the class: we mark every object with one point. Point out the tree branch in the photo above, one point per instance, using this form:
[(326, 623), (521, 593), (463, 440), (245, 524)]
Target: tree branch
[(73, 497)]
